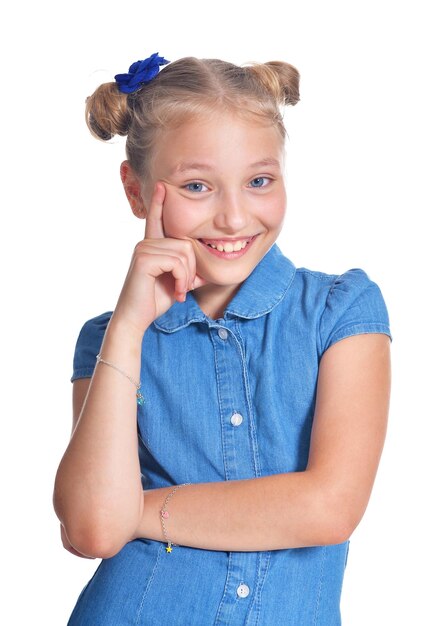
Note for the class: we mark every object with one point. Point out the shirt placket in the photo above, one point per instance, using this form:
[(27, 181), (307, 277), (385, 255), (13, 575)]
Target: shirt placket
[(246, 570)]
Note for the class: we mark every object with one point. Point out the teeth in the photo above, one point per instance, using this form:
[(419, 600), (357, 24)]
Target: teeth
[(228, 246)]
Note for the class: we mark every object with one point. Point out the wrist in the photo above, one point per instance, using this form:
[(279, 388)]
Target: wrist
[(122, 347), (121, 331), (150, 526), (165, 515)]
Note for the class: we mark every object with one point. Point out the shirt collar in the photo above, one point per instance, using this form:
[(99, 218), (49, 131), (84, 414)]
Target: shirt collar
[(262, 290)]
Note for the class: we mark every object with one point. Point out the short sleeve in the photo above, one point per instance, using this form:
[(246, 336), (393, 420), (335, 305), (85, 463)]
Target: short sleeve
[(88, 346), (354, 305)]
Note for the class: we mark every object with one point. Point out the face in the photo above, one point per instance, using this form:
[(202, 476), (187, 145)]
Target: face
[(224, 191)]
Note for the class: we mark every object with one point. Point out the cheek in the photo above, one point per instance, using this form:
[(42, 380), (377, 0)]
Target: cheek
[(278, 215), (177, 219), (273, 211)]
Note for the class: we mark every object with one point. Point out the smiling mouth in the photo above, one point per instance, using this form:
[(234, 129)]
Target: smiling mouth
[(226, 245)]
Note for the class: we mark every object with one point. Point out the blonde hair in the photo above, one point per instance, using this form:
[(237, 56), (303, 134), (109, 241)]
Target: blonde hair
[(188, 88)]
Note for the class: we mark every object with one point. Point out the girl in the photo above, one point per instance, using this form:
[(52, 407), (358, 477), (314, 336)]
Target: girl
[(230, 413)]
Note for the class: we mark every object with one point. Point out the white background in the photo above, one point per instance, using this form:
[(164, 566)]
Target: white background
[(367, 187)]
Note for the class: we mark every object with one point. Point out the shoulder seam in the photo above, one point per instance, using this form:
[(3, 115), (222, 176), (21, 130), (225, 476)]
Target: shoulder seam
[(316, 274)]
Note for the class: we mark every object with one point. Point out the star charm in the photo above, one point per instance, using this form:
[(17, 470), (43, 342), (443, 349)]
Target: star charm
[(169, 548)]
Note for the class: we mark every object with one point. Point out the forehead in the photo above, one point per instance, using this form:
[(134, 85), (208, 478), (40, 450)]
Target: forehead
[(224, 141)]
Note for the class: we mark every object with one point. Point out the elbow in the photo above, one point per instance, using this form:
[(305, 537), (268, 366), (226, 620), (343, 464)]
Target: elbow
[(94, 542), (336, 517), (336, 529), (94, 529), (89, 536), (341, 522)]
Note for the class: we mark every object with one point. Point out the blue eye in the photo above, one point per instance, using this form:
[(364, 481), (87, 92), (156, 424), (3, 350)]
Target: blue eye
[(195, 187), (260, 181)]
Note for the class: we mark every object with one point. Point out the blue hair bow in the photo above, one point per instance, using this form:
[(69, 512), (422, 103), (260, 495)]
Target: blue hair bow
[(140, 72)]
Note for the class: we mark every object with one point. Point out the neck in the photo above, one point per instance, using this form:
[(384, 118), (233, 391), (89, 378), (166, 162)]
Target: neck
[(213, 299)]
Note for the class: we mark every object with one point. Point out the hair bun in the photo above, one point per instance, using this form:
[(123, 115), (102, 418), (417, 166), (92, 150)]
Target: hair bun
[(281, 79), (107, 112)]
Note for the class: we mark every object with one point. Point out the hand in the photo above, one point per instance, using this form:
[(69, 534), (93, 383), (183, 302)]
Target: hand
[(68, 546), (162, 270)]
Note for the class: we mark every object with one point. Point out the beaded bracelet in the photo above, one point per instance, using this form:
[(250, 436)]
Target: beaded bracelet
[(164, 515), (140, 398)]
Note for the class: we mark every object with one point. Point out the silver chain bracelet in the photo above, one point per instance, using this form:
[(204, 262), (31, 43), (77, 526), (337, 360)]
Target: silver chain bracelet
[(140, 398), (164, 515)]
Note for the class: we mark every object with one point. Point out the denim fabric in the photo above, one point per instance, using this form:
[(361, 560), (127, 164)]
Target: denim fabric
[(261, 361)]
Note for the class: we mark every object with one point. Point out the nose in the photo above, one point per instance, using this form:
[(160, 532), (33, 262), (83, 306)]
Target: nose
[(231, 214)]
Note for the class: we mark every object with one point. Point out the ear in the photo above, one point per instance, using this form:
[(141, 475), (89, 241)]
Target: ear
[(133, 189)]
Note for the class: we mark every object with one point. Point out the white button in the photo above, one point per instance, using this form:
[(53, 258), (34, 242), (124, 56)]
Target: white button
[(222, 332), (236, 419), (243, 591)]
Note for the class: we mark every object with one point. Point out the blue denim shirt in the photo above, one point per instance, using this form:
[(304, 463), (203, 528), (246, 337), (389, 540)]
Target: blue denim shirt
[(231, 399)]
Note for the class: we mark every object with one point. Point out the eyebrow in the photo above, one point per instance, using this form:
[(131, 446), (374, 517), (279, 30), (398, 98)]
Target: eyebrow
[(181, 168)]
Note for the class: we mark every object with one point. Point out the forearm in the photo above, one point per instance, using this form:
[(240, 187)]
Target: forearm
[(268, 513), (98, 494)]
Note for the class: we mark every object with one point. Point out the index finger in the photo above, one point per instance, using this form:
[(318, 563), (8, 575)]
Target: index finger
[(154, 224)]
